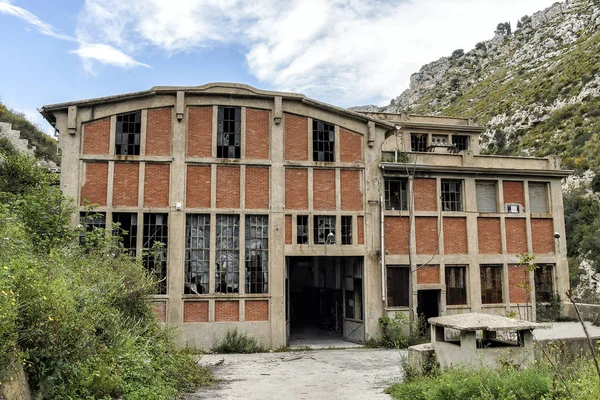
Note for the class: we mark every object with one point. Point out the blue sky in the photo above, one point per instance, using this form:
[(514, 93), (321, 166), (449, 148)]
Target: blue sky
[(345, 52)]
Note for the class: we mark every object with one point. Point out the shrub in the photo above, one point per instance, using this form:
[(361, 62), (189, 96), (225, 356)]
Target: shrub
[(235, 342), (394, 331)]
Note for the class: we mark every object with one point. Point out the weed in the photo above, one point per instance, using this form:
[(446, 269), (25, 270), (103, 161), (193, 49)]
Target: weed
[(236, 342)]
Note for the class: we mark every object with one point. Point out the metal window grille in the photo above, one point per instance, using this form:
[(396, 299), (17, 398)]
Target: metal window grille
[(346, 229), (324, 229), (92, 220), (451, 195), (197, 253), (486, 196), (127, 230), (418, 142), (302, 229), (491, 284), (323, 141), (456, 285), (229, 124), (396, 195), (227, 268), (128, 130), (461, 143), (155, 244), (353, 287), (544, 287), (397, 285), (538, 197), (257, 253)]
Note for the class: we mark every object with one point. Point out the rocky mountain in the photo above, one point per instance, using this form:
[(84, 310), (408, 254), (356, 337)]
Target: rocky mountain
[(536, 89)]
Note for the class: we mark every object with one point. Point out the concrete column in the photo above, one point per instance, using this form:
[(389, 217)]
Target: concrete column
[(473, 283)]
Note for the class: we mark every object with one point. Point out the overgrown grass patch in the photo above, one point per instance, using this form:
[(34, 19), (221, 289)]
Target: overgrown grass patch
[(236, 342)]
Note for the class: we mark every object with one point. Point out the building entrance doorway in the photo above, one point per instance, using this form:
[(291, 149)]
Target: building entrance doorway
[(428, 304), (324, 299)]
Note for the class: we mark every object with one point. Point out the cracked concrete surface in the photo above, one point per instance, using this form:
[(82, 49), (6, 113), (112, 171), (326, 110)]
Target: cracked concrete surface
[(322, 374)]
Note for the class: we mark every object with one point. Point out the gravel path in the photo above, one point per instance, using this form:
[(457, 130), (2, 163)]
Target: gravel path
[(322, 374)]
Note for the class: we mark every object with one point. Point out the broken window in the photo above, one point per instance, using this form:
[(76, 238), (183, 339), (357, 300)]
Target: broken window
[(396, 195), (127, 230), (353, 288), (90, 221), (451, 195), (491, 284), (397, 285), (227, 268), (538, 197), (324, 229), (346, 229), (229, 132), (257, 253), (197, 253), (323, 141), (544, 287), (302, 229), (460, 143), (155, 245), (128, 130), (418, 142), (486, 196), (456, 285)]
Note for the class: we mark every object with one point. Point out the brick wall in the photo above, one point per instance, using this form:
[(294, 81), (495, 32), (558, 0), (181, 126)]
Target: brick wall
[(96, 136), (296, 137), (488, 234), (350, 146), (158, 131), (542, 235), (513, 192), (296, 189), (227, 311), (352, 197), (455, 235), (516, 235), (125, 186), (195, 311), (427, 235), (198, 185), (94, 188), (324, 189), (257, 310), (257, 187), (228, 187), (516, 276), (425, 194), (429, 274), (360, 221), (160, 310), (257, 134), (156, 185), (396, 235), (288, 229), (199, 139)]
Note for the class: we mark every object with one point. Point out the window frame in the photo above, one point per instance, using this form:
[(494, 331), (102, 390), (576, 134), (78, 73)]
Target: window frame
[(458, 147), (321, 144), (450, 204), (133, 231), (256, 249), (305, 230), (128, 143), (326, 230), (231, 251), (402, 191), (538, 283), (201, 252), (464, 293), (481, 183), (403, 291), (156, 232), (229, 130), (419, 142), (346, 230), (499, 291), (546, 192)]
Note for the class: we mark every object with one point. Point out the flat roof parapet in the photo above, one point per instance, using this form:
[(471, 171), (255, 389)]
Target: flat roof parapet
[(482, 321)]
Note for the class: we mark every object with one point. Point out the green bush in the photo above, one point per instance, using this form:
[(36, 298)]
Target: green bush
[(399, 333), (236, 342)]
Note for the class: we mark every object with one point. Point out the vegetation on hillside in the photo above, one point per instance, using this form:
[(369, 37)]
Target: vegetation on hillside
[(77, 317), (45, 146)]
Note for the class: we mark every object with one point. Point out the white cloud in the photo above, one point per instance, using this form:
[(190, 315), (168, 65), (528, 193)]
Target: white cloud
[(7, 8), (104, 54), (341, 51)]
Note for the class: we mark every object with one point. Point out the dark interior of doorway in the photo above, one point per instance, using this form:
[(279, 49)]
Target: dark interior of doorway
[(428, 304), (315, 297)]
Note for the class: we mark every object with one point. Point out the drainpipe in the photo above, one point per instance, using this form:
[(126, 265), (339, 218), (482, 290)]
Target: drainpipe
[(411, 217), (382, 208)]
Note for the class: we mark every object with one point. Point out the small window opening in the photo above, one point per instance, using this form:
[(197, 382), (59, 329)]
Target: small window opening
[(302, 229), (155, 244), (323, 141), (324, 229), (451, 195), (229, 132), (197, 253), (227, 269), (346, 229), (491, 284), (544, 287), (460, 143), (538, 197), (397, 285), (127, 140), (486, 196), (126, 229), (456, 285), (418, 142), (396, 197), (257, 253)]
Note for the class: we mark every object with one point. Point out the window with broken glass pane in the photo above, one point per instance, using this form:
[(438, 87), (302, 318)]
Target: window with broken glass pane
[(346, 229), (227, 263), (323, 141), (155, 245), (544, 282), (257, 253), (324, 227), (396, 197), (456, 284), (302, 229), (491, 284), (127, 138), (460, 143), (418, 142), (197, 253), (229, 124), (126, 228), (451, 195)]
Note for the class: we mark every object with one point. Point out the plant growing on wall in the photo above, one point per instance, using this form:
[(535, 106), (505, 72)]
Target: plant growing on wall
[(526, 261)]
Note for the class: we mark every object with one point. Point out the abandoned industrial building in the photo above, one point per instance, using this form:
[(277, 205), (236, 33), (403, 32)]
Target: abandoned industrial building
[(280, 214)]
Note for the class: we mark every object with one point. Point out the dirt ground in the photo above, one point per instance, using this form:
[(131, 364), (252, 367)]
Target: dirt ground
[(321, 374)]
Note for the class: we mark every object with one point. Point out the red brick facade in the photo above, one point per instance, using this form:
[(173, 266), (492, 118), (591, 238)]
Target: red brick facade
[(257, 310), (488, 234), (227, 311), (158, 132), (199, 135), (455, 235), (350, 146), (94, 187), (516, 235), (513, 192), (160, 310), (156, 185), (296, 189), (429, 274), (427, 235), (228, 187), (360, 221), (352, 197), (324, 189), (517, 276), (125, 185), (396, 235), (195, 311), (288, 229), (96, 137), (197, 194), (257, 187), (425, 195), (542, 235), (296, 137), (257, 134)]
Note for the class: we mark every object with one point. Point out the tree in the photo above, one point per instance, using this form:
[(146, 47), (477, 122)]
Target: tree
[(458, 53), (503, 28)]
